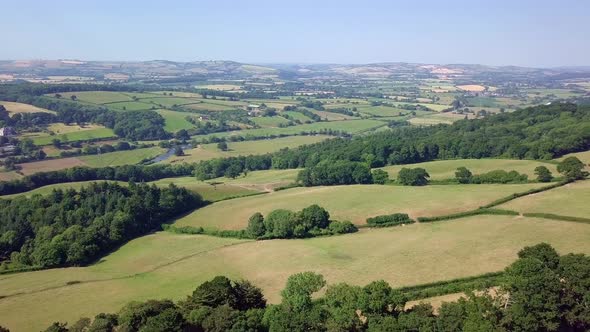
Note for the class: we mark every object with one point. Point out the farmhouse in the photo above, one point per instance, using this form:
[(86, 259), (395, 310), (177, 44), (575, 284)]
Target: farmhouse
[(7, 131), (253, 109)]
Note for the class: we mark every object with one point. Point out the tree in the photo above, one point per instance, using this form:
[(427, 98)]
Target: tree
[(314, 216), (574, 269), (380, 176), (256, 225), (73, 97), (572, 168), (222, 146), (214, 293), (182, 135), (56, 142), (57, 327), (463, 175), (178, 151), (413, 177), (233, 171), (543, 252), (543, 174)]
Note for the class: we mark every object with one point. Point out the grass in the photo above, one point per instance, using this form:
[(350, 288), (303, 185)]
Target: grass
[(352, 127), (244, 148), (118, 158), (175, 121), (569, 200), (50, 165), (380, 110), (262, 180), (209, 192), (14, 108), (46, 190), (354, 202), (445, 169), (269, 121), (165, 265), (169, 101), (97, 97), (131, 106), (73, 133), (296, 116)]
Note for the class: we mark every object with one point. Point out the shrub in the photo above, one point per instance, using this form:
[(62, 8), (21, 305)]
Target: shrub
[(380, 176), (389, 220), (413, 177)]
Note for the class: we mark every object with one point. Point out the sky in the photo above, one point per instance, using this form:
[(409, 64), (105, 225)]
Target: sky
[(517, 32)]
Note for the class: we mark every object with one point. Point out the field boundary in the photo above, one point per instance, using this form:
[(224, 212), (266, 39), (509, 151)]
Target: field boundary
[(557, 217)]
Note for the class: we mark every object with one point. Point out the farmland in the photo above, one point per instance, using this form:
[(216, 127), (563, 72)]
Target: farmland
[(118, 158), (244, 148), (354, 203), (164, 265), (15, 108), (71, 133), (445, 169)]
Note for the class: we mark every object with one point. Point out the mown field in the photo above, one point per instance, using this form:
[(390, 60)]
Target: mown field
[(570, 200), (354, 202), (117, 158), (244, 148), (68, 134), (14, 108), (445, 169), (164, 265)]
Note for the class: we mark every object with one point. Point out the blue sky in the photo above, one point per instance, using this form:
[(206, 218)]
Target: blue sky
[(529, 33)]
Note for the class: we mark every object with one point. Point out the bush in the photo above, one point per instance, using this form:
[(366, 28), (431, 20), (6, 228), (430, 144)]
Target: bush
[(413, 177), (500, 176), (380, 176), (389, 220), (342, 227)]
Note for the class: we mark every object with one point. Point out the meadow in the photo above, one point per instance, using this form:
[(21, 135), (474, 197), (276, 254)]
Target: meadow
[(14, 108), (165, 265), (69, 134), (175, 121), (244, 148), (270, 121), (354, 202), (445, 169), (570, 200), (117, 158)]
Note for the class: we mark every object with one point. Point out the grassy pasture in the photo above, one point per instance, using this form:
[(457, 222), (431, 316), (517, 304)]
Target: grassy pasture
[(270, 121), (445, 169), (202, 106), (94, 132), (352, 127), (296, 116), (14, 108), (570, 200), (209, 192), (262, 180), (46, 190), (330, 116), (164, 265), (117, 158), (210, 151), (381, 110), (169, 101), (354, 202), (97, 97), (175, 121), (131, 106), (50, 165)]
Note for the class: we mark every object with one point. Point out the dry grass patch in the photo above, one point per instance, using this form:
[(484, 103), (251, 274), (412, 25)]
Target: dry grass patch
[(50, 165), (14, 108)]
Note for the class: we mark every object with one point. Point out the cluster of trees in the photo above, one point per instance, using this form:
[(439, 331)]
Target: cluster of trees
[(314, 117), (389, 220), (69, 227), (96, 149), (231, 167), (284, 224), (541, 291), (135, 173), (413, 176), (463, 175), (542, 132), (339, 172)]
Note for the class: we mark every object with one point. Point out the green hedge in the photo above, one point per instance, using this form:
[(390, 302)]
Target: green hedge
[(528, 192), (389, 220), (453, 286), (468, 214)]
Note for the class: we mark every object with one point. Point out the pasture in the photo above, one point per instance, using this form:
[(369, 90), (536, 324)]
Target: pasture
[(445, 169), (70, 133), (15, 108), (244, 148), (354, 202), (165, 265), (211, 192), (50, 165), (570, 200), (175, 121), (270, 121), (118, 158)]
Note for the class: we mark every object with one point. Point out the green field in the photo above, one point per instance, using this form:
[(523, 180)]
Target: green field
[(97, 97), (445, 169), (131, 106), (296, 116), (244, 148), (164, 265), (270, 121), (352, 127), (82, 135), (570, 200), (117, 158), (175, 121), (354, 202), (209, 192)]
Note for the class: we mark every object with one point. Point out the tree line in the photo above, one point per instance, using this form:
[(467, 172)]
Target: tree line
[(540, 291), (69, 227)]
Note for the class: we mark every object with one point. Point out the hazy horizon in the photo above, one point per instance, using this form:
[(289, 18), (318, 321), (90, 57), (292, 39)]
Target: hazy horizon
[(537, 34)]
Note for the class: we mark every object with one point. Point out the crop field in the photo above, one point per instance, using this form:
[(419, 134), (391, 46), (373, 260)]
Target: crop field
[(165, 265), (570, 200), (175, 121), (270, 121), (14, 108), (445, 169), (131, 106), (331, 116), (244, 148), (117, 158), (354, 202)]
